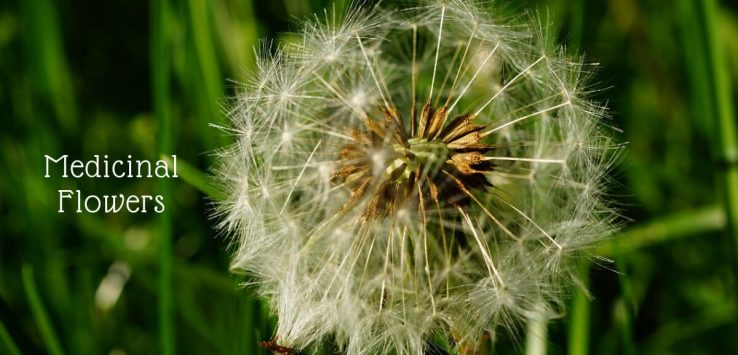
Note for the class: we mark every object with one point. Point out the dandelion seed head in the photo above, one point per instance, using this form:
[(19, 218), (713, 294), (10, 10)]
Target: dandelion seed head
[(401, 173)]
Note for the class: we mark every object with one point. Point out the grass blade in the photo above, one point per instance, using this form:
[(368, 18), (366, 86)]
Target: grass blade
[(628, 307), (50, 72), (727, 127), (39, 312), (665, 229), (7, 340), (196, 178), (161, 100), (207, 80), (579, 321)]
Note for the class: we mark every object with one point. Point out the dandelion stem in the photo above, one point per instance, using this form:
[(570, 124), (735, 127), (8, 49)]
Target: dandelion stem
[(536, 335)]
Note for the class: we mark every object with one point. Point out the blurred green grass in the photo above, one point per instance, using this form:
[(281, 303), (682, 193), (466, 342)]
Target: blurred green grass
[(118, 78)]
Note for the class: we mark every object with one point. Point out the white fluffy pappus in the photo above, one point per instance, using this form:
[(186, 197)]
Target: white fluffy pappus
[(405, 174)]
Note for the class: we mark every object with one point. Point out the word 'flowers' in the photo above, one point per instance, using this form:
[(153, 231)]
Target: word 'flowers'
[(406, 174)]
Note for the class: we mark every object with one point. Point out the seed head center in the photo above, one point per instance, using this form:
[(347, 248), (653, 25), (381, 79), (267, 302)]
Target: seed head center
[(419, 154), (437, 160)]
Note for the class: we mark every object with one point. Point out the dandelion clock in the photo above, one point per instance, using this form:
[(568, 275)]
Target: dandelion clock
[(410, 172)]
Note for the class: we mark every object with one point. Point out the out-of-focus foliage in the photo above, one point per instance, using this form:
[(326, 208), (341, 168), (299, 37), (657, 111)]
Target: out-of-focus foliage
[(77, 80)]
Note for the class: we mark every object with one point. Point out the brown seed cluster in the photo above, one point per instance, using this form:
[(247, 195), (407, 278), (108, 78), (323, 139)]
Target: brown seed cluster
[(276, 349), (388, 167)]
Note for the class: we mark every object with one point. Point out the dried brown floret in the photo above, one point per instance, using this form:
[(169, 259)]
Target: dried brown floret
[(387, 166)]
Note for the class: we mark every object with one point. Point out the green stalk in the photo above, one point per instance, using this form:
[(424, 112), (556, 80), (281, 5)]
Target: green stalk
[(701, 107), (7, 340), (664, 229), (195, 177), (39, 312), (579, 316), (726, 120), (161, 100), (207, 80), (629, 347), (238, 34), (46, 57)]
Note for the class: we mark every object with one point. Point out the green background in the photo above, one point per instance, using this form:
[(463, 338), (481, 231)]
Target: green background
[(143, 78)]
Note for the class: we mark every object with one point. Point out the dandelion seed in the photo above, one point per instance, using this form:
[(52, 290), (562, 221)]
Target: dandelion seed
[(404, 173)]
